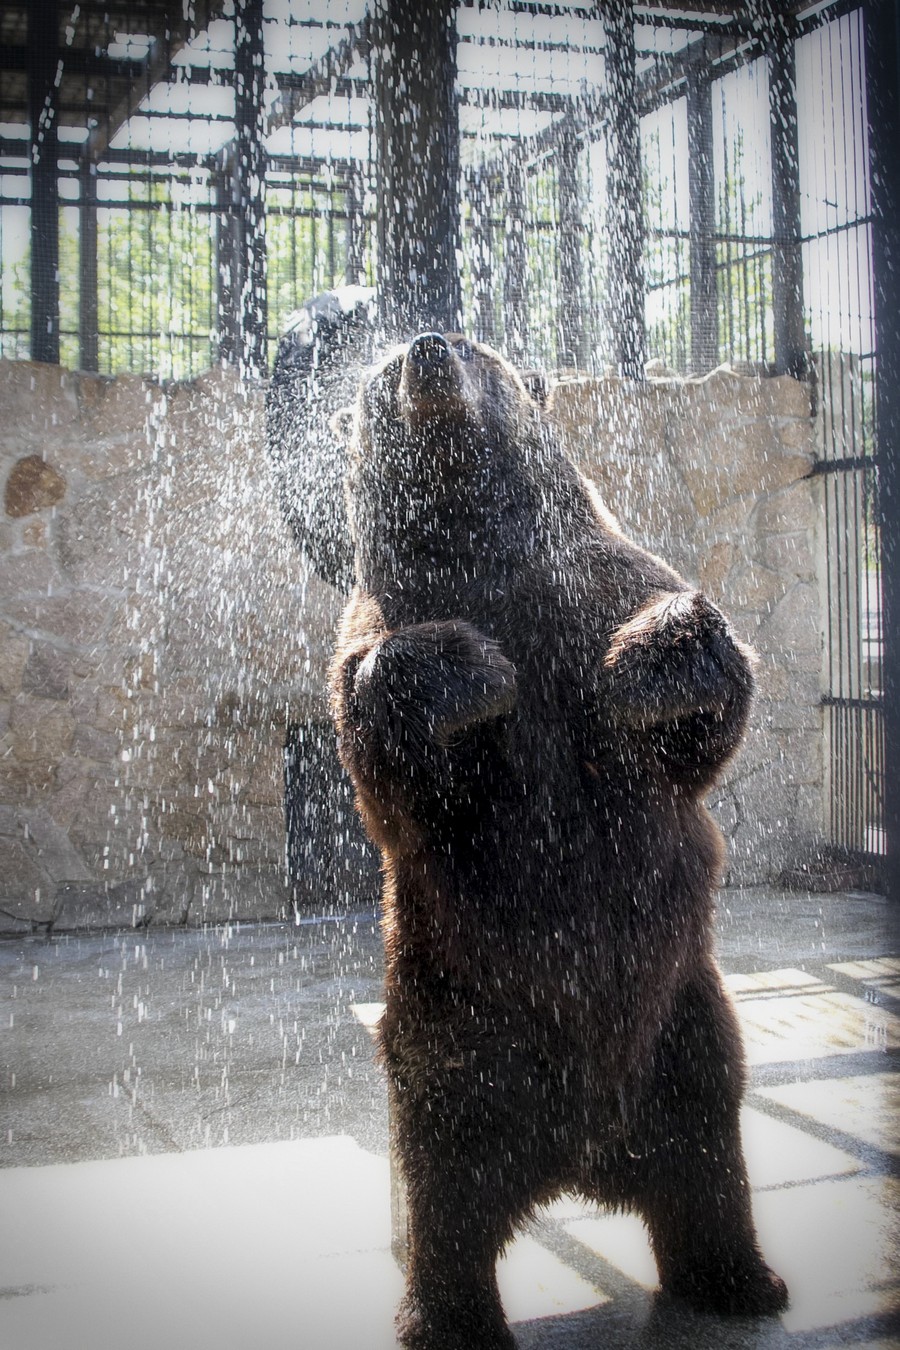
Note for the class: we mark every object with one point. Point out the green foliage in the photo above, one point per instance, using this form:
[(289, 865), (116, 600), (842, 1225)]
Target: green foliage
[(155, 285)]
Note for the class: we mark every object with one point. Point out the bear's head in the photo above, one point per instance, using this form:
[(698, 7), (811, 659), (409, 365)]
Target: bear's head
[(451, 459)]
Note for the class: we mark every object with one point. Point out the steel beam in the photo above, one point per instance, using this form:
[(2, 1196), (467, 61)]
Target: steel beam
[(625, 276), (248, 183), (702, 196), (515, 272), (43, 25), (791, 354), (88, 310), (571, 343), (417, 166)]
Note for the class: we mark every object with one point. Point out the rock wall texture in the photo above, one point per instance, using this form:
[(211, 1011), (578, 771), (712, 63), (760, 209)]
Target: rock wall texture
[(159, 633)]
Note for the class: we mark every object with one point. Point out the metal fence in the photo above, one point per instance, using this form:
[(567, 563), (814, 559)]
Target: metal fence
[(686, 190), (142, 227)]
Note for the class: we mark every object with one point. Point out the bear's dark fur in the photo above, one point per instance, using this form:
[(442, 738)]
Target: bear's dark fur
[(325, 345), (531, 709)]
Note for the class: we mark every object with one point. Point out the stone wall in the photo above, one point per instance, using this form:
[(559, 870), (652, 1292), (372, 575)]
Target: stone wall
[(712, 474), (158, 631)]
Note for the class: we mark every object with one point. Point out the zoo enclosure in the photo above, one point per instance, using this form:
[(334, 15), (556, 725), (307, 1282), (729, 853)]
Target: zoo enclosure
[(679, 185)]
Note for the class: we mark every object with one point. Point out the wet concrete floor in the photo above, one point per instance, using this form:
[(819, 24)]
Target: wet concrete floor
[(194, 1139)]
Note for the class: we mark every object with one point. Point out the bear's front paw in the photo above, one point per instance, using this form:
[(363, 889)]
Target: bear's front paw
[(445, 676)]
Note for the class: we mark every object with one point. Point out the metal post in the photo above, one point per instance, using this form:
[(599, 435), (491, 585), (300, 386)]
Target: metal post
[(882, 20), (417, 166), (791, 354), (228, 286), (43, 34), (480, 195), (702, 194), (88, 308), (515, 273), (571, 347), (355, 199), (249, 185), (625, 285)]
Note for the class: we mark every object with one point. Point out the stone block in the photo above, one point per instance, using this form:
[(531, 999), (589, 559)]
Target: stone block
[(25, 887), (48, 672), (792, 715), (247, 893), (788, 510), (86, 905), (24, 783), (49, 843), (793, 628), (34, 533), (103, 747), (115, 408), (731, 521), (714, 568), (79, 618), (798, 434), (264, 771), (786, 397), (41, 731), (105, 536), (13, 659), (754, 587), (782, 681), (791, 554), (733, 459), (32, 572), (33, 485), (38, 399)]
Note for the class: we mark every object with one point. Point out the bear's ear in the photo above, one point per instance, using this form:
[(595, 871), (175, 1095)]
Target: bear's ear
[(341, 424), (538, 386)]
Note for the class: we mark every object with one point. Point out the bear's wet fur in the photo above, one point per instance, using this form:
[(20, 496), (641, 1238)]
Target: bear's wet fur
[(531, 709)]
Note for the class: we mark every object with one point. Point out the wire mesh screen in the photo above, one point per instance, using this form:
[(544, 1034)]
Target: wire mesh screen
[(145, 188)]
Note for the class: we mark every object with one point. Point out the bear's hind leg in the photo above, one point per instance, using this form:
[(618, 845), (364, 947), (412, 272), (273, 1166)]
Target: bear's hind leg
[(685, 1170), (459, 1219), (476, 1154)]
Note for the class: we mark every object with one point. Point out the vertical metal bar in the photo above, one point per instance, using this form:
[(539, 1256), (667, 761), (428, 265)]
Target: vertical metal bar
[(625, 283), (701, 193), (43, 36), (88, 311), (571, 347), (883, 81), (355, 199), (417, 166), (791, 356), (249, 180), (227, 273), (515, 302), (330, 209), (482, 255)]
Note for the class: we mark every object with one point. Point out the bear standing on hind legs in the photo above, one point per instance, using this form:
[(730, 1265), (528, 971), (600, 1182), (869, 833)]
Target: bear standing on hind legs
[(531, 709)]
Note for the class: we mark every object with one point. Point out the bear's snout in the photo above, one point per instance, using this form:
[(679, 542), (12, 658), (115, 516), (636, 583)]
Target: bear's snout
[(432, 382), (429, 352)]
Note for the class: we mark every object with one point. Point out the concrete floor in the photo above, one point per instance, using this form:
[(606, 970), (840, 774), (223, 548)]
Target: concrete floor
[(194, 1136)]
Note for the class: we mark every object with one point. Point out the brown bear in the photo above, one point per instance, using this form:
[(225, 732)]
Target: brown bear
[(531, 709)]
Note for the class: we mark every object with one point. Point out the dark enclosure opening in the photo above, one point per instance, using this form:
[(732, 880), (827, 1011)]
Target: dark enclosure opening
[(332, 867)]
